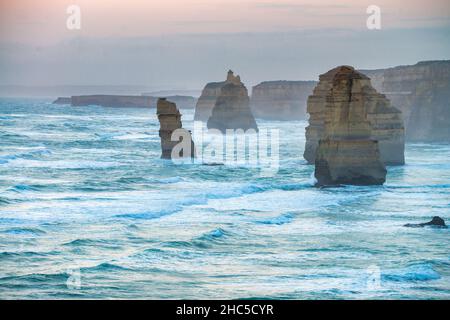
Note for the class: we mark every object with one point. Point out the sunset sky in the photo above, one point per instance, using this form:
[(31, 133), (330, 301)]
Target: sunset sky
[(185, 43)]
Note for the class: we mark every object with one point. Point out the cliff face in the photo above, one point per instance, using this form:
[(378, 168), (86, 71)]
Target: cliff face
[(207, 101), (385, 121), (422, 93), (170, 120), (281, 100), (346, 153), (232, 107)]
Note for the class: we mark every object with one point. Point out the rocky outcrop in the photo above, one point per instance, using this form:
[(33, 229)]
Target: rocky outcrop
[(114, 101), (422, 93), (207, 101), (346, 153), (232, 107), (63, 100), (118, 101), (170, 120), (435, 222), (281, 100), (386, 122)]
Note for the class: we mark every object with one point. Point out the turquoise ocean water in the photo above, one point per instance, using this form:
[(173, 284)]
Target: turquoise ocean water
[(88, 210)]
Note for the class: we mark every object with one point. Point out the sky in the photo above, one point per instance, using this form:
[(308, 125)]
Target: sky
[(182, 44)]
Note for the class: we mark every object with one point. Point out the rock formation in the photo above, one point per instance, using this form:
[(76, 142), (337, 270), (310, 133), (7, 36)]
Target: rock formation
[(114, 101), (232, 107), (281, 100), (346, 153), (63, 100), (385, 121), (118, 101), (422, 93), (435, 222), (207, 101), (170, 120)]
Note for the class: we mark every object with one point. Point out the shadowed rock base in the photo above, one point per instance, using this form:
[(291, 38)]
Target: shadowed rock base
[(353, 162)]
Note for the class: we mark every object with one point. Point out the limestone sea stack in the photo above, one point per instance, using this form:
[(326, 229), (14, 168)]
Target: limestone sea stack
[(422, 93), (281, 100), (346, 153), (170, 120), (207, 101), (232, 107), (386, 121)]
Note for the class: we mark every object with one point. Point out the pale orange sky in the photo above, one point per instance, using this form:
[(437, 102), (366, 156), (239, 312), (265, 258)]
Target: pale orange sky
[(43, 21), (185, 43)]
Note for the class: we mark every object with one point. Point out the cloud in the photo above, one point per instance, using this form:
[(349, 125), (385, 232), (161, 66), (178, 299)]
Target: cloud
[(191, 60)]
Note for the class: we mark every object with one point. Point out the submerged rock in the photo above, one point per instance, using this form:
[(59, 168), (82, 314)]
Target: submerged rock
[(385, 121), (346, 153), (281, 100), (232, 107), (170, 120), (435, 222)]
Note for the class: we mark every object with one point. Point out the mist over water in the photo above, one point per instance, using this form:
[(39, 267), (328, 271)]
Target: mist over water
[(83, 190)]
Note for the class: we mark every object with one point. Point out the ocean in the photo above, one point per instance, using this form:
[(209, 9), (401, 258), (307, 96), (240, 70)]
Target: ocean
[(88, 210)]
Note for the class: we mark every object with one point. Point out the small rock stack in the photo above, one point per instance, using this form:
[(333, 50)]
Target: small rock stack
[(346, 152), (232, 107), (170, 120)]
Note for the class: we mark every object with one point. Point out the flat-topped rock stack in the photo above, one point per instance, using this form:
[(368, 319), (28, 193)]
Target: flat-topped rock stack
[(281, 100), (346, 152), (232, 107), (170, 120), (386, 121)]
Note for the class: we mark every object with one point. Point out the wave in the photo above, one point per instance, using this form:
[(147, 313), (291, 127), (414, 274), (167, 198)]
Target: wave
[(24, 254), (59, 278), (25, 155), (205, 241), (202, 199), (29, 231), (150, 215), (5, 201), (23, 187), (104, 267), (87, 242), (415, 272), (280, 220), (214, 235)]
